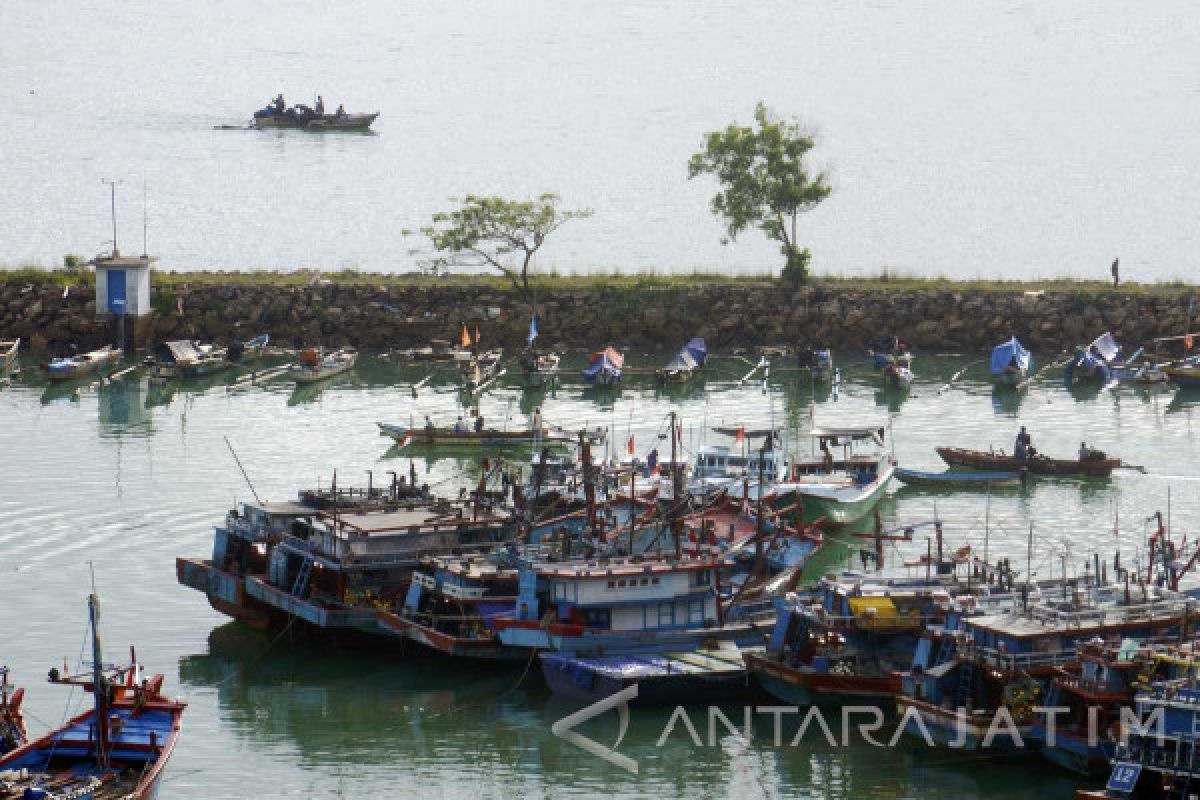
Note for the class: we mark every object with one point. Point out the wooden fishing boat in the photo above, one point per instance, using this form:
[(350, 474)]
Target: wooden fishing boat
[(1184, 375), (191, 359), (1039, 465), (604, 368), (539, 369), (12, 722), (448, 436), (840, 489), (65, 369), (267, 118), (8, 355), (315, 366), (116, 750), (958, 480), (481, 370)]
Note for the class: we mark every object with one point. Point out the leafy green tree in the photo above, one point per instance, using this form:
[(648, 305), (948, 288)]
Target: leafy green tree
[(499, 233), (764, 183)]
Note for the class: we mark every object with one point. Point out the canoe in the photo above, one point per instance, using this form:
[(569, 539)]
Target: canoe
[(1039, 465), (1185, 376), (65, 369), (448, 436), (958, 480), (325, 122)]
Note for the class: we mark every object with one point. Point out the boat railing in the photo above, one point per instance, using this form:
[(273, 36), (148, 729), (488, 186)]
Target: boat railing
[(1110, 615), (1014, 662)]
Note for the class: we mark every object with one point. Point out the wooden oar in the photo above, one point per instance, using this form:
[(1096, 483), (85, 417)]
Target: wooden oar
[(958, 375), (1134, 467)]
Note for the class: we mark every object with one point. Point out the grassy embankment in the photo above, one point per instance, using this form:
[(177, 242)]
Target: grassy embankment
[(883, 281)]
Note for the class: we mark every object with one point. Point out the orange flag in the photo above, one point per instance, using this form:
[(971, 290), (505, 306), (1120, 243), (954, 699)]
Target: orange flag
[(477, 335), (629, 445), (466, 337), (741, 434)]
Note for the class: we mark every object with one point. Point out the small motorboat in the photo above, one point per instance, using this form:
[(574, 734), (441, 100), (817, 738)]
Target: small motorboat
[(116, 750), (66, 369), (685, 363), (1010, 363), (889, 350), (1099, 466), (317, 366), (959, 480), (539, 369)]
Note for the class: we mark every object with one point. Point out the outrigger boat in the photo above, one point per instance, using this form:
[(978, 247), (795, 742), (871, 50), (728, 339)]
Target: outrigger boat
[(1100, 467), (1010, 363), (959, 480), (539, 369), (481, 370), (315, 366), (188, 358), (685, 363), (71, 367), (1098, 362), (891, 350), (117, 750), (448, 436), (12, 722), (303, 118)]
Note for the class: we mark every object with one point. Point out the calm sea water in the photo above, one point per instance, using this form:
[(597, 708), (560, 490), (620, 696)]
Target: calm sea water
[(128, 477), (964, 139)]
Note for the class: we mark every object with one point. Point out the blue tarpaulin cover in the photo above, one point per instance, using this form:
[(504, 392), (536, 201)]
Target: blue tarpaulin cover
[(1002, 356)]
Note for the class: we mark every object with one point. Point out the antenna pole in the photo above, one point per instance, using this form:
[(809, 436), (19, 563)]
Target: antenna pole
[(112, 185), (145, 224), (244, 475)]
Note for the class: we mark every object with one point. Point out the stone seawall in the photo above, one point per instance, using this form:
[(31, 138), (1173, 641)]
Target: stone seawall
[(727, 316)]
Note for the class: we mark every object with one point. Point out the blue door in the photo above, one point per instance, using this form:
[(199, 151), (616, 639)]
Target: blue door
[(116, 291)]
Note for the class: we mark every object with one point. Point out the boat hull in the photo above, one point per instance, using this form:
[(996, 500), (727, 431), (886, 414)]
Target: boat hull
[(324, 123), (805, 687), (958, 480), (1041, 466), (657, 681), (838, 512)]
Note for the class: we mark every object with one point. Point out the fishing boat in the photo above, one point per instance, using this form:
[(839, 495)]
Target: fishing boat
[(317, 366), (116, 750), (818, 363), (684, 365), (449, 436), (972, 668), (1011, 363), (1185, 375), (959, 480), (12, 722), (740, 467), (1098, 363), (896, 375), (482, 369), (539, 369), (8, 355), (71, 367), (1159, 756), (1101, 466), (297, 119), (190, 358), (842, 489), (604, 368), (889, 350)]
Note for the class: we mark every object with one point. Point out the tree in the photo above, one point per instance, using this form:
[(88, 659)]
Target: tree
[(502, 234), (764, 183)]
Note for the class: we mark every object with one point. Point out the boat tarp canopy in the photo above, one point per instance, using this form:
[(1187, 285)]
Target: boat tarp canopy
[(1106, 346), (853, 434), (693, 355), (607, 358), (881, 612), (181, 351), (1005, 354)]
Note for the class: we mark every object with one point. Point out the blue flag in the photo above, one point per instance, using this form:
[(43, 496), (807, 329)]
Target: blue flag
[(532, 330), (651, 462)]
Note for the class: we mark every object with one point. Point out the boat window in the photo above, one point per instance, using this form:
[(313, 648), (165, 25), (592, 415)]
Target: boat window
[(695, 612), (654, 580), (560, 590), (645, 581), (701, 578), (666, 614), (621, 584), (612, 584)]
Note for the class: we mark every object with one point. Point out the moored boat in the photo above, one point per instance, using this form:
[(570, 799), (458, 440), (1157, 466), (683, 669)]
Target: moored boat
[(316, 366), (840, 489), (1100, 467), (71, 367), (604, 368), (1010, 363), (449, 436), (539, 369), (12, 722), (959, 480), (683, 366), (818, 363), (896, 376), (116, 750)]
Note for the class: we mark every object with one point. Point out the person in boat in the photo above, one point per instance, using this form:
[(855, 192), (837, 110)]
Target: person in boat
[(320, 107), (341, 111), (460, 426), (278, 104), (1024, 445), (1084, 452), (429, 426), (826, 456), (479, 423)]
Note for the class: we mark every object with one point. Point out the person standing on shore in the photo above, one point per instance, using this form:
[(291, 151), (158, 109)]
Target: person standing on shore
[(1116, 273)]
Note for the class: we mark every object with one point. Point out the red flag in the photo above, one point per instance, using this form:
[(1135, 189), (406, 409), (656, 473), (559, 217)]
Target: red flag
[(741, 434), (629, 444)]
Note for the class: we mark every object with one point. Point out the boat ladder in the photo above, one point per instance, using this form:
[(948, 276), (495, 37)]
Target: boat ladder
[(301, 584), (965, 676), (1185, 766)]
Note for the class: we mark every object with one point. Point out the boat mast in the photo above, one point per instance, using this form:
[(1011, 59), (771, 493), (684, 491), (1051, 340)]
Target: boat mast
[(99, 685), (676, 488), (112, 185)]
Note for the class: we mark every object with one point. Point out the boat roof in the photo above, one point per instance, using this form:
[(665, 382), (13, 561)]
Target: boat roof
[(1044, 620), (624, 567), (287, 508), (402, 520), (873, 433)]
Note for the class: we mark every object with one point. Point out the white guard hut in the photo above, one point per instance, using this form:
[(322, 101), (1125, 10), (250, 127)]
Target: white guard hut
[(123, 285)]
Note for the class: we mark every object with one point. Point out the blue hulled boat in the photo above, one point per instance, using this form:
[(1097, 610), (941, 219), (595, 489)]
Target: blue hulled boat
[(1010, 363), (604, 368), (116, 750)]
